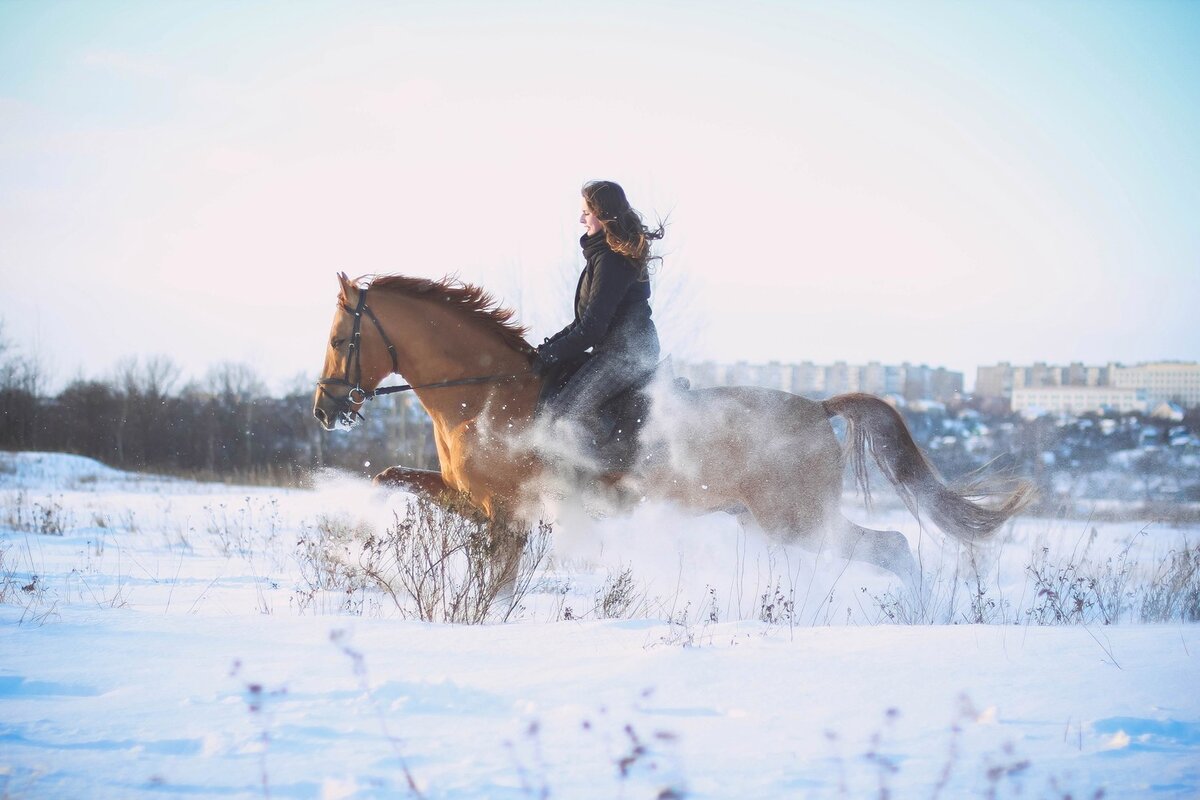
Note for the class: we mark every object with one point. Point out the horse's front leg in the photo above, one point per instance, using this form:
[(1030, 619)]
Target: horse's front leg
[(425, 482)]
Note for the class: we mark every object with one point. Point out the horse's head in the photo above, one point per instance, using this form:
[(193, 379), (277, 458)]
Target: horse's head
[(356, 360)]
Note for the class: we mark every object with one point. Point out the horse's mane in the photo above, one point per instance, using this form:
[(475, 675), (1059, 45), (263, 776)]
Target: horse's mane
[(471, 299)]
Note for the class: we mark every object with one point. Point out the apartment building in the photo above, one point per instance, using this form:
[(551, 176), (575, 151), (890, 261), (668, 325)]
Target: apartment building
[(1160, 381), (1152, 383), (910, 381), (1076, 399)]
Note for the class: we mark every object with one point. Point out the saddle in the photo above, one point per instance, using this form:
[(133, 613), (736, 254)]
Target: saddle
[(616, 426)]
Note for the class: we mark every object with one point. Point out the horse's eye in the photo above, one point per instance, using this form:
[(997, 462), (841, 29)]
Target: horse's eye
[(336, 344)]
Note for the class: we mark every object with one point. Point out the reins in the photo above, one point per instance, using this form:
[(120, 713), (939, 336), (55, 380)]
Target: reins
[(359, 395), (408, 387)]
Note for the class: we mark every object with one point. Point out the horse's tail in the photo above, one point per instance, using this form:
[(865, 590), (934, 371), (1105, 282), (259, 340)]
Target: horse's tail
[(874, 425)]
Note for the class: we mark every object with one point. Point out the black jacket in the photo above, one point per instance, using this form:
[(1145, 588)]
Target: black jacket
[(612, 306)]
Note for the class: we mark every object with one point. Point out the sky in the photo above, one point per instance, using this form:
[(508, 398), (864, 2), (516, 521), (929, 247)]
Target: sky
[(944, 183)]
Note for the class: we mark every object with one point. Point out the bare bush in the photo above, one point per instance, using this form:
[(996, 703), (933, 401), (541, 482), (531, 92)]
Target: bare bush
[(9, 584), (327, 557), (983, 607), (1062, 591), (777, 607), (24, 589), (1069, 589), (1174, 591), (47, 516), (617, 596), (236, 529), (681, 628), (455, 564), (1082, 590)]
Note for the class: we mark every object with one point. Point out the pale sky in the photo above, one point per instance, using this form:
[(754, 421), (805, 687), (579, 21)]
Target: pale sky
[(947, 183)]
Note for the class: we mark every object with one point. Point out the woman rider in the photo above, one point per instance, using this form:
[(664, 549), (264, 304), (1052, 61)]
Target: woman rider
[(612, 308)]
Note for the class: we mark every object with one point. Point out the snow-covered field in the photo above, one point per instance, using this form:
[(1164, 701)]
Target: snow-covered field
[(162, 637)]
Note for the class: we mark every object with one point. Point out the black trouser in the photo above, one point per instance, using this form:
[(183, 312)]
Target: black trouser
[(602, 377)]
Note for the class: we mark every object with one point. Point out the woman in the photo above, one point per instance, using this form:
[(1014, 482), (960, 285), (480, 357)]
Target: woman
[(612, 308)]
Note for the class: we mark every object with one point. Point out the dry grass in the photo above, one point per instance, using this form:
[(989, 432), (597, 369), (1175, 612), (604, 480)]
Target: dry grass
[(1076, 588)]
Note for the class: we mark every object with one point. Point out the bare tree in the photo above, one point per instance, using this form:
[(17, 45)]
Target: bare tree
[(143, 387), (19, 371), (236, 387), (21, 382), (235, 382)]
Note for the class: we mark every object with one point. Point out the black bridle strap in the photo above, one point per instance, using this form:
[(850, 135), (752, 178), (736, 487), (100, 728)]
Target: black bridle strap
[(391, 348), (406, 387), (358, 394)]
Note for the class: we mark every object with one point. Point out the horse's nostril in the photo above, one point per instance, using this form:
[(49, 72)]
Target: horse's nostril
[(319, 413)]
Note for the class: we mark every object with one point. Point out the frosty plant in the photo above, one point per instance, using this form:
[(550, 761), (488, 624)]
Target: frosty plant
[(341, 640), (1079, 587), (1001, 773), (236, 529), (616, 598), (27, 590), (455, 564), (639, 762), (1174, 591), (47, 516), (10, 582), (257, 699), (326, 555)]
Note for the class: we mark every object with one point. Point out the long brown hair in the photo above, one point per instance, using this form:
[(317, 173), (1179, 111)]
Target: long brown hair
[(623, 227)]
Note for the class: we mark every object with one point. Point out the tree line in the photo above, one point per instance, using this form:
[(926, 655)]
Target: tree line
[(227, 426)]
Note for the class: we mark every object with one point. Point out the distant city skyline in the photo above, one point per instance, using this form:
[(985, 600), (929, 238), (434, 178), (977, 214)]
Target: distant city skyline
[(1144, 383), (939, 183)]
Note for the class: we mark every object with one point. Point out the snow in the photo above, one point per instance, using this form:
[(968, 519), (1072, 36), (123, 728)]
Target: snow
[(54, 470), (162, 652)]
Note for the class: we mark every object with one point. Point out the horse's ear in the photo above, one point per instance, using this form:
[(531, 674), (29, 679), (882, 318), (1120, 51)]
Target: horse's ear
[(345, 285)]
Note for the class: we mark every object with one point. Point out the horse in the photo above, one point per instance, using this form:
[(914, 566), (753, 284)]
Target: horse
[(768, 454)]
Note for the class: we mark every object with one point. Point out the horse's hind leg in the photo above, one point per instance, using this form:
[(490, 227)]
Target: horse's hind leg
[(884, 549), (887, 550), (418, 481)]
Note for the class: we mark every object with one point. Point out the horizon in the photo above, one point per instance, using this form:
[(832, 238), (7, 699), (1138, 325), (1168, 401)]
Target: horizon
[(183, 380), (951, 185)]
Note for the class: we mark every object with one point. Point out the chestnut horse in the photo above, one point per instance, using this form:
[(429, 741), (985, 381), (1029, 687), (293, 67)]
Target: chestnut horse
[(766, 452)]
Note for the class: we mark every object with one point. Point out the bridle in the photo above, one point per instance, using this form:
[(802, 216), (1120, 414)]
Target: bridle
[(358, 395)]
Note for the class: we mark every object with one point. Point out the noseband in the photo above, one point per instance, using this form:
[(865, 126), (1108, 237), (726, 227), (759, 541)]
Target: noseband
[(358, 395)]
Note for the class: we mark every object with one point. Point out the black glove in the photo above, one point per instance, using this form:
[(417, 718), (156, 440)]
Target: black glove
[(543, 361)]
